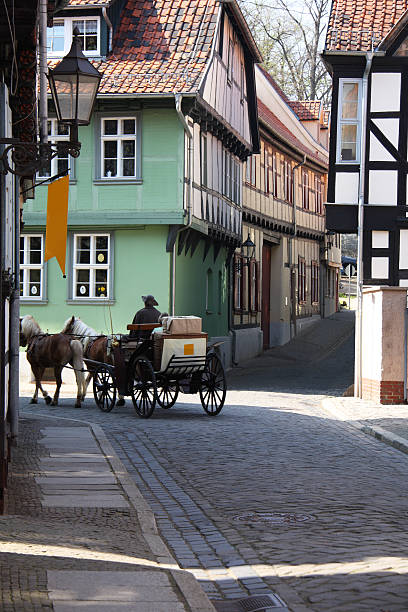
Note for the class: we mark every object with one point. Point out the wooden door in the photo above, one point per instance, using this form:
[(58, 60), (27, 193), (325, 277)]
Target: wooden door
[(266, 295)]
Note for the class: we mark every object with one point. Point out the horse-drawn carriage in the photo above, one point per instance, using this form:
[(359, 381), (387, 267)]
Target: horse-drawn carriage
[(156, 368)]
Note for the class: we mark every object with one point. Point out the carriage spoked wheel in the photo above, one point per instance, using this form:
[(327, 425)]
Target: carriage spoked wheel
[(143, 387), (104, 388), (167, 392), (213, 385)]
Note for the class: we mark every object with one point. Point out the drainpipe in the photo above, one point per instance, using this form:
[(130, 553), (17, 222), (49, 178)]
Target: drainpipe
[(360, 275), (178, 99), (110, 26), (292, 244), (14, 345), (42, 60)]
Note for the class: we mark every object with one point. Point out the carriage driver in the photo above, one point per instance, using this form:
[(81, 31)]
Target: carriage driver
[(148, 314)]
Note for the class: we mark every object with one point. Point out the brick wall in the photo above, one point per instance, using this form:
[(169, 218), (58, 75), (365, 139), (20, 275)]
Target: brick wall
[(384, 392)]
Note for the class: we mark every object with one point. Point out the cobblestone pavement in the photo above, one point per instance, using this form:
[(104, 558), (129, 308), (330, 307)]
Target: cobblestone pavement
[(273, 449)]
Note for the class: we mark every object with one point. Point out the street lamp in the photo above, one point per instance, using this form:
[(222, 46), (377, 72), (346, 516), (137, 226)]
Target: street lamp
[(248, 249), (74, 84)]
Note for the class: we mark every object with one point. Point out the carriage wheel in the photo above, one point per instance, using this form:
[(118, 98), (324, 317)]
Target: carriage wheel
[(167, 392), (213, 386), (104, 388), (143, 387)]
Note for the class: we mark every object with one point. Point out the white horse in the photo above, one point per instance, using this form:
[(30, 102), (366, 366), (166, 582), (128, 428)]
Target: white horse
[(95, 345), (51, 350)]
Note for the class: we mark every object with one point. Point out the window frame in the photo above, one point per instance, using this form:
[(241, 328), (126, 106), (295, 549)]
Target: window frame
[(301, 280), (68, 29), (341, 121), (230, 62), (315, 284), (91, 299), (53, 138), (99, 159), (287, 180), (26, 267), (250, 170), (238, 282), (305, 190)]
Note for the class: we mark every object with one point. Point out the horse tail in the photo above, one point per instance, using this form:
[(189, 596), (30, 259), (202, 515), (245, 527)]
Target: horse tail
[(78, 365)]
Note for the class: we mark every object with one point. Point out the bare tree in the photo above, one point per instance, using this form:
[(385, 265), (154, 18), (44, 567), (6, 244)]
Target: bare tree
[(290, 35)]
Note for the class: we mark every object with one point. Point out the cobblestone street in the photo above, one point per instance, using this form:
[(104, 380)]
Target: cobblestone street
[(337, 539)]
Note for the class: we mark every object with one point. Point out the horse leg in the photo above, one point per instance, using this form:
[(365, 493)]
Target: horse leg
[(87, 381), (79, 368), (38, 372), (58, 379), (121, 401)]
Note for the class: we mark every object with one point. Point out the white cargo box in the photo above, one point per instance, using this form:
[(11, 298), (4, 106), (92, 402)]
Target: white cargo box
[(193, 346)]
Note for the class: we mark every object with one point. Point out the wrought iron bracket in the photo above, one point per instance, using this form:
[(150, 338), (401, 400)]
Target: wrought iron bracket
[(8, 283), (26, 158)]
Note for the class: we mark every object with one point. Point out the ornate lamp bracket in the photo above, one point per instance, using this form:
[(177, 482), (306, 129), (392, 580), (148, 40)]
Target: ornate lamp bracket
[(26, 158)]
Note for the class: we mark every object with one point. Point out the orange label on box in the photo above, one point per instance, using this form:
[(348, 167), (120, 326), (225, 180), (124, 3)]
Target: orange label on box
[(189, 349)]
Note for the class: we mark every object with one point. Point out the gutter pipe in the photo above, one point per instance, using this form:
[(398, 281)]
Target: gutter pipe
[(110, 26), (292, 250), (178, 99), (360, 227), (42, 57)]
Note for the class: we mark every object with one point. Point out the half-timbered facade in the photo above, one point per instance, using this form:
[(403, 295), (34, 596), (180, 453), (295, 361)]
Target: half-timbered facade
[(367, 54), (293, 275), (156, 201)]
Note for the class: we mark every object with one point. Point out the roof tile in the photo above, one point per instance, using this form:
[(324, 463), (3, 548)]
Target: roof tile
[(360, 25)]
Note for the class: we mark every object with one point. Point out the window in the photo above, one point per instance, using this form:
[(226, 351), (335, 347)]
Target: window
[(209, 292), (315, 282), (59, 36), (305, 190), (118, 158), (31, 266), (56, 133), (319, 194), (204, 169), (88, 33), (242, 84), (253, 285), (287, 181), (232, 178), (250, 174), (301, 281), (348, 129), (91, 257), (275, 174), (238, 282), (230, 65)]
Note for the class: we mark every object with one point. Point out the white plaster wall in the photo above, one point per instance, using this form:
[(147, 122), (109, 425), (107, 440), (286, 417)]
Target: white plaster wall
[(346, 187), (383, 187), (385, 91), (403, 250), (379, 239), (379, 268), (390, 128), (377, 151), (372, 336)]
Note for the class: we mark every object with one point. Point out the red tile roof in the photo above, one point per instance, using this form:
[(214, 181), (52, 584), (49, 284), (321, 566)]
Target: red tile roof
[(76, 3), (326, 118), (271, 120), (162, 46), (306, 110), (360, 25)]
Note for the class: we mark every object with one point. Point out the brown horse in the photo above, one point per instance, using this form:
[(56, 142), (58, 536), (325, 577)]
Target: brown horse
[(95, 346), (51, 350)]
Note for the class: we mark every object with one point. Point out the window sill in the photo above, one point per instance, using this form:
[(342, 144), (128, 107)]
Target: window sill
[(118, 181), (32, 302), (102, 301)]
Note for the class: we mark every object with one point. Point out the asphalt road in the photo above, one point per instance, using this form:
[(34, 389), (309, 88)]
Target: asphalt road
[(273, 494)]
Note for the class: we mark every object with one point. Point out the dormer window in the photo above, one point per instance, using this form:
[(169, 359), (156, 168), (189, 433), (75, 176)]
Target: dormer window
[(59, 37)]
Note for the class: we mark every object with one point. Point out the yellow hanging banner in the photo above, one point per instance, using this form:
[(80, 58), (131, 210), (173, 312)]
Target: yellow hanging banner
[(57, 217)]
